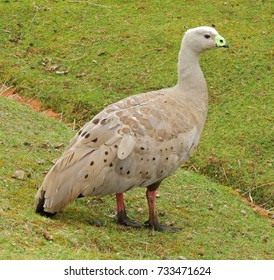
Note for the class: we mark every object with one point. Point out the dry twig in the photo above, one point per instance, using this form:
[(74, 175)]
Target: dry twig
[(89, 3)]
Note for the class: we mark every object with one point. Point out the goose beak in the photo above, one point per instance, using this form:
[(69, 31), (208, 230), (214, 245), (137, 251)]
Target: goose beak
[(220, 42)]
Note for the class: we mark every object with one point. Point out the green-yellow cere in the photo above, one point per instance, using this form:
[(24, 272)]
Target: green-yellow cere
[(220, 41)]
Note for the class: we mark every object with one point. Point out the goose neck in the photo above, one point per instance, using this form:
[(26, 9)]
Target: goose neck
[(190, 74)]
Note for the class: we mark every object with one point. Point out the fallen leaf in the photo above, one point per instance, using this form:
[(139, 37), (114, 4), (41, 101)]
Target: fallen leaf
[(45, 145), (52, 68), (47, 236), (59, 145), (80, 75)]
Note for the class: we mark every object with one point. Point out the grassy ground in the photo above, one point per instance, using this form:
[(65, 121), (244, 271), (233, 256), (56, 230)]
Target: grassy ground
[(76, 57), (215, 223)]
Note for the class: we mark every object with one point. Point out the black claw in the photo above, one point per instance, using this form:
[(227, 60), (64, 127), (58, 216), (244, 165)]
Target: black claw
[(123, 219), (162, 228)]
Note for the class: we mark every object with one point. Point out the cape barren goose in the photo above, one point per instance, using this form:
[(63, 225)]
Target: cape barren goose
[(137, 141)]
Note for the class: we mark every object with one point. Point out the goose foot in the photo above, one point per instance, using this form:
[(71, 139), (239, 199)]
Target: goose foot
[(123, 219), (162, 228)]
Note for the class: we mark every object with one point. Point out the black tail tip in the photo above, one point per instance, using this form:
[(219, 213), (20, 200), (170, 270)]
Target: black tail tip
[(40, 209)]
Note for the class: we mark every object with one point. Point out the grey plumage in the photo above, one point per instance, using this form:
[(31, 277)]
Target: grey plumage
[(137, 141)]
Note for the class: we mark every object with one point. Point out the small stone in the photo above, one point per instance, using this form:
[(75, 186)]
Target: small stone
[(200, 252), (182, 258), (18, 174), (41, 161), (210, 207), (243, 212), (162, 213)]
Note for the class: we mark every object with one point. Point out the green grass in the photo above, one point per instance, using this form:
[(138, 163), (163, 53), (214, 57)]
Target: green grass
[(215, 223), (114, 52)]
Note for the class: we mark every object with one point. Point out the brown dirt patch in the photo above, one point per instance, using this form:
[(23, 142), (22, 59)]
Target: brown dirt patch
[(10, 93), (256, 208)]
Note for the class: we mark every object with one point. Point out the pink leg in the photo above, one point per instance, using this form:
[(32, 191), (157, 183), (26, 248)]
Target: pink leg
[(120, 202), (153, 219)]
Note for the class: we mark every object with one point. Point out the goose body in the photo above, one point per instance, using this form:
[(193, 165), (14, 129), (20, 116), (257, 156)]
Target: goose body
[(137, 141)]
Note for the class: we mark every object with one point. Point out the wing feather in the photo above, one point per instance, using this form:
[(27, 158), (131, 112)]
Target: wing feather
[(126, 146)]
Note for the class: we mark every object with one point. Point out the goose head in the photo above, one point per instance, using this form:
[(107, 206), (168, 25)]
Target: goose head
[(203, 38)]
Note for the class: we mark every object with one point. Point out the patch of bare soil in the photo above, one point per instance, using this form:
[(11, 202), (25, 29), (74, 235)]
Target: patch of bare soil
[(10, 93), (256, 208)]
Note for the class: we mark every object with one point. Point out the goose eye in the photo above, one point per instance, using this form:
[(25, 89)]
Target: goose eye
[(207, 36)]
